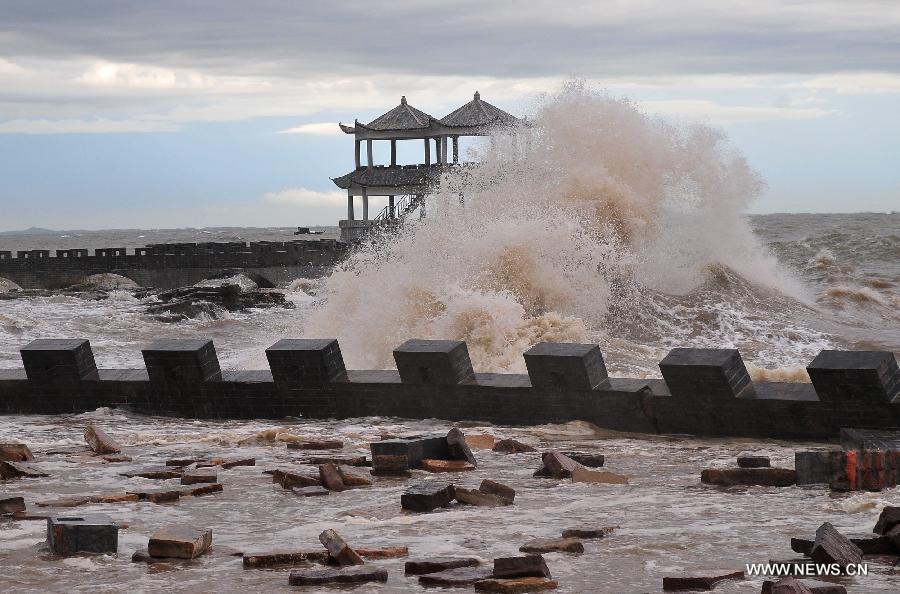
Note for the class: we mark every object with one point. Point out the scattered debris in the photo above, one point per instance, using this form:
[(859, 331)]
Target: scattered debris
[(426, 497), (344, 575), (100, 442), (767, 477), (434, 565), (553, 545), (339, 549), (180, 541), (705, 581)]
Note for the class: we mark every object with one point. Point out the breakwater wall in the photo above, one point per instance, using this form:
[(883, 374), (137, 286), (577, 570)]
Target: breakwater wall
[(172, 265), (703, 391)]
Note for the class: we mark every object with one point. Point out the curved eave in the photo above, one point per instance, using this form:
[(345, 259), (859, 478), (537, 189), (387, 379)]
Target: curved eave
[(348, 129)]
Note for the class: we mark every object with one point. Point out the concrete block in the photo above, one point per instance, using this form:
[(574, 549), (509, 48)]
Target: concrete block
[(306, 363), (426, 497), (434, 362), (858, 376), (567, 366), (59, 360), (706, 374), (181, 542), (416, 449), (88, 533), (813, 467), (176, 364)]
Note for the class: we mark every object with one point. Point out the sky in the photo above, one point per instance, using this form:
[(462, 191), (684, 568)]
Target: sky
[(124, 114)]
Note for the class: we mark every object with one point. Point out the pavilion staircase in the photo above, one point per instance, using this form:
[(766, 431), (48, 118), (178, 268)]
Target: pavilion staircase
[(403, 207)]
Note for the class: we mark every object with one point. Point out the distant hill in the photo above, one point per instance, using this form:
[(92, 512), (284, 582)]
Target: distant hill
[(28, 231)]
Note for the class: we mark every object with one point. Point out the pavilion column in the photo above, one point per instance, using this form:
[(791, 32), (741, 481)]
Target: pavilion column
[(349, 205), (444, 150), (437, 151), (391, 207), (393, 153), (358, 141), (456, 149), (365, 198), (369, 152), (427, 152)]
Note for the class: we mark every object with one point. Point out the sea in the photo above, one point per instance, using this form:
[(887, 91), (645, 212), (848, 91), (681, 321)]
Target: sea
[(605, 226)]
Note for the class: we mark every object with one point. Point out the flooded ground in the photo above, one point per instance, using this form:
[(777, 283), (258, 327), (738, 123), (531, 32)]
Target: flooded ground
[(669, 522)]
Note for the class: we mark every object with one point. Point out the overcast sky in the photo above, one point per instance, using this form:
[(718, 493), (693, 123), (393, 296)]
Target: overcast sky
[(222, 112)]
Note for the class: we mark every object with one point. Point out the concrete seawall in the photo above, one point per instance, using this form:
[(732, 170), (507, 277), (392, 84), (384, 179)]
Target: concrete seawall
[(172, 265), (704, 391)]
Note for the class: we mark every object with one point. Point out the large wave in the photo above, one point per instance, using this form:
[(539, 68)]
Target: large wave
[(597, 222)]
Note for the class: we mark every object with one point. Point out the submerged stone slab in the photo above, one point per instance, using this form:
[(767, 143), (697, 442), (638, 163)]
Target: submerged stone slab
[(855, 376), (459, 577), (338, 548), (180, 541), (337, 460), (753, 462), (498, 489), (830, 546), (161, 473), (344, 575), (434, 362), (511, 446), (437, 564), (429, 465), (306, 363), (587, 459), (158, 495), (587, 475), (309, 491), (588, 532), (384, 553), (700, 580), (100, 442), (706, 374), (15, 452), (553, 545), (480, 498), (10, 504), (289, 477), (767, 477), (352, 479), (515, 567), (516, 585), (566, 366), (88, 533), (10, 470), (211, 489), (426, 497), (415, 449), (198, 476), (284, 559), (316, 445)]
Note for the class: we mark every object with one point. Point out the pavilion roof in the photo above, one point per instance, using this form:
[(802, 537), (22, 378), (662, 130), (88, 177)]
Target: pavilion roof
[(402, 117), (477, 113), (395, 176)]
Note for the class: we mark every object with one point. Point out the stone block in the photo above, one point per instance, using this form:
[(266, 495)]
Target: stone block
[(284, 559), (343, 575), (315, 445), (588, 532), (457, 447), (437, 564), (479, 498), (10, 470), (100, 442), (385, 553), (511, 446), (706, 374), (306, 363), (567, 366), (830, 546), (385, 465), (161, 473), (498, 489), (180, 542), (338, 548), (753, 462), (587, 459), (351, 479), (588, 475), (10, 504), (813, 467), (701, 581), (426, 497), (200, 476), (516, 585), (556, 465), (515, 567), (178, 365), (330, 478), (158, 495), (856, 376), (89, 533), (458, 577), (553, 545), (434, 362), (15, 452), (415, 449), (889, 517), (767, 477), (289, 478), (59, 360), (429, 465)]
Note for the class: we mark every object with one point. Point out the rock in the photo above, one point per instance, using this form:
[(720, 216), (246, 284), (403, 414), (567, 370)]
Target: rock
[(339, 549), (586, 475), (587, 459), (204, 490), (10, 504), (802, 545), (483, 441), (316, 445), (459, 449), (830, 546), (516, 586), (158, 495), (767, 477), (116, 458), (753, 462), (195, 477), (100, 442), (515, 567), (704, 581), (890, 517), (386, 553), (232, 463), (289, 478), (89, 533), (876, 545), (337, 460), (787, 586), (351, 479), (511, 446), (180, 541), (588, 532), (390, 465), (10, 470), (284, 559), (331, 478), (500, 490), (429, 465), (426, 497), (190, 302), (15, 452), (115, 498), (479, 498), (557, 465), (437, 564), (456, 578), (161, 473), (344, 575), (309, 491), (553, 545)]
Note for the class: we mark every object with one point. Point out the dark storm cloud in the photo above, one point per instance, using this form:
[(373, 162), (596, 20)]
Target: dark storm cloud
[(496, 39)]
